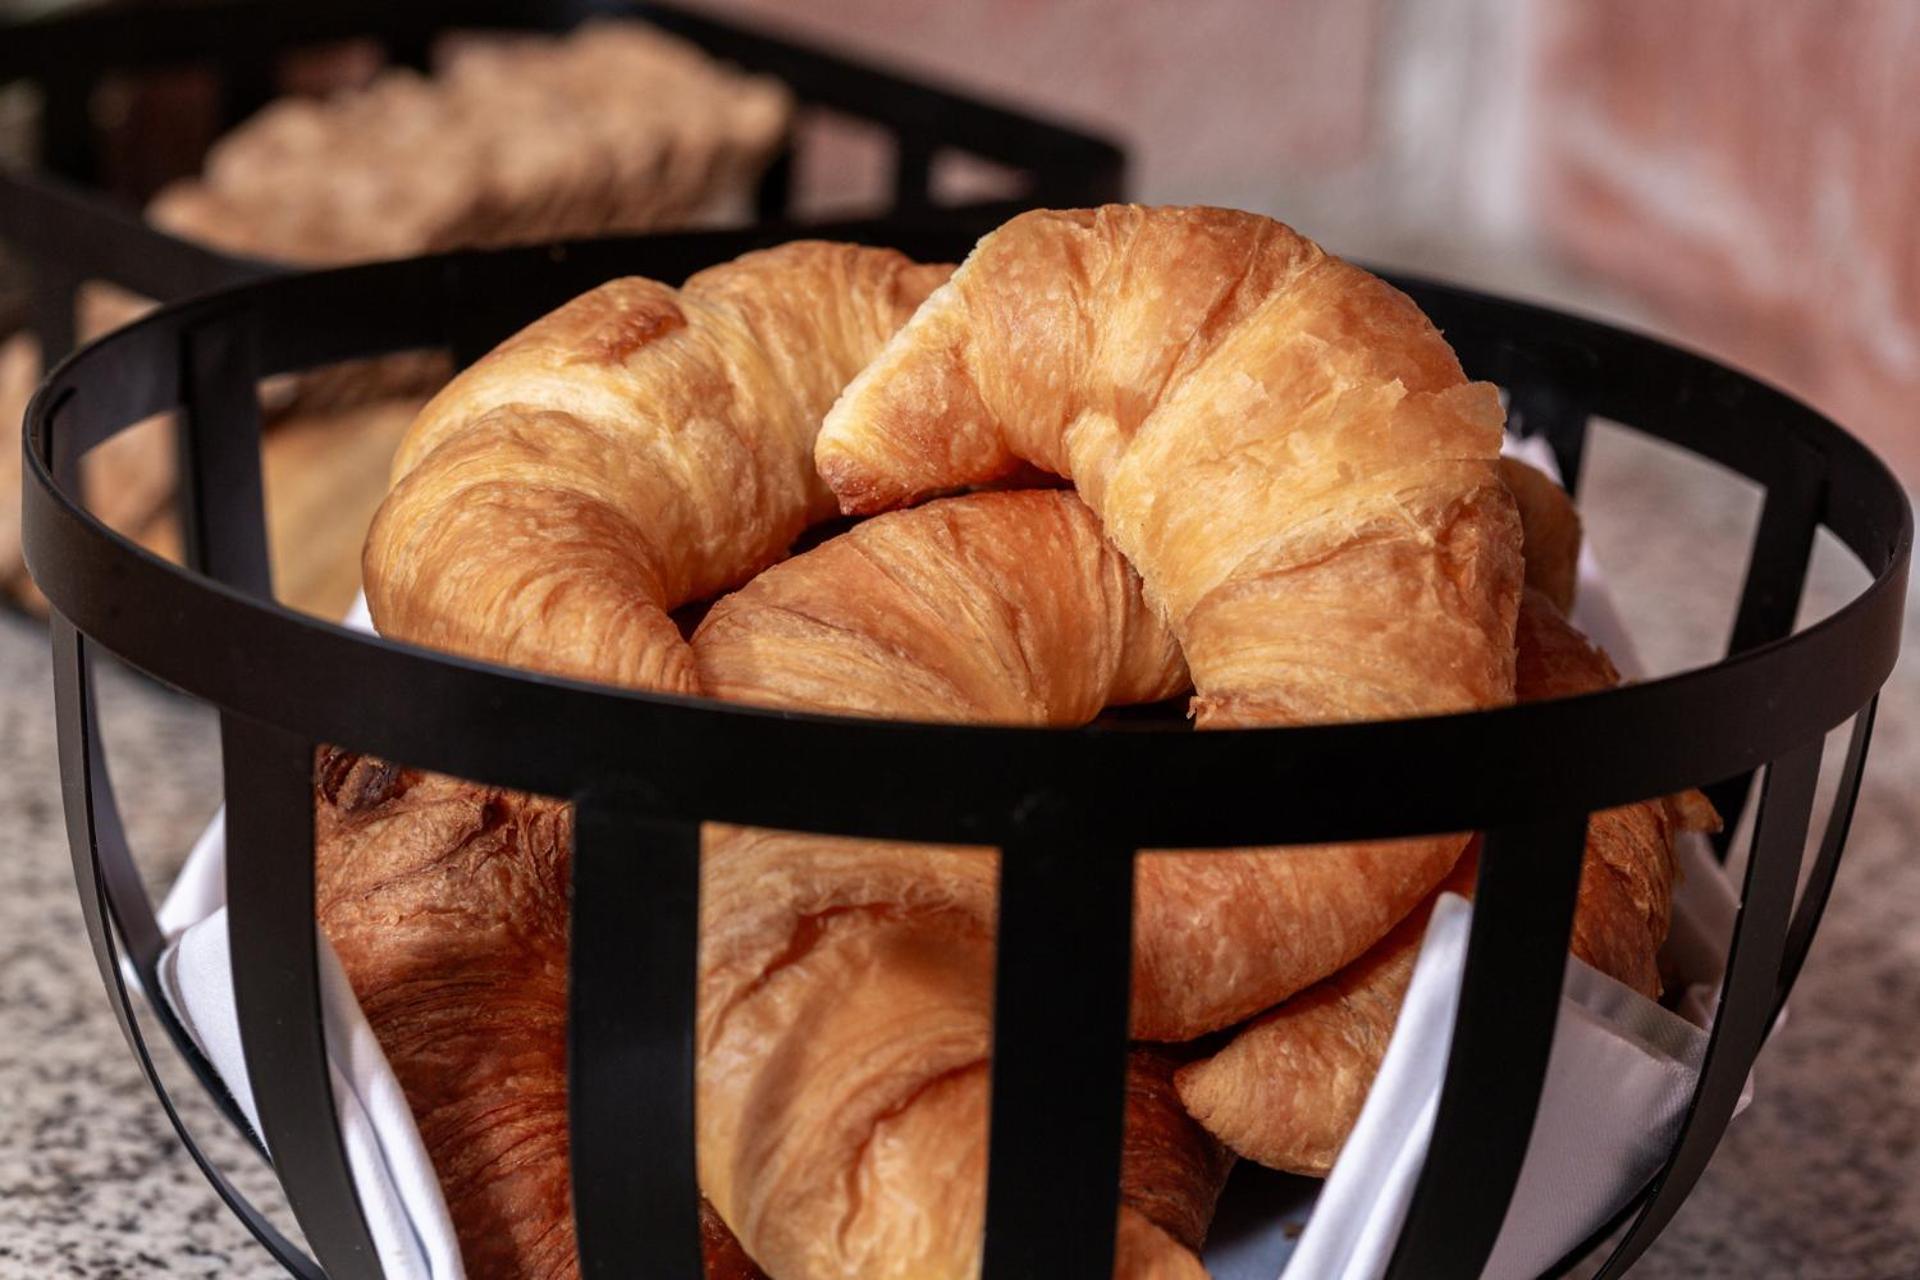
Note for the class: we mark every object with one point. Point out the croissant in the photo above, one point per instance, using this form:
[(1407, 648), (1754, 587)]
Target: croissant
[(1549, 532), (847, 996), (844, 1039), (1287, 1089), (1270, 435), (447, 905), (993, 608), (638, 448), (1010, 607), (845, 1011), (1289, 455)]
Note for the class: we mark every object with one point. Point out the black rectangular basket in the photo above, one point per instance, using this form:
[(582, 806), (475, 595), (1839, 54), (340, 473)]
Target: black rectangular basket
[(67, 230)]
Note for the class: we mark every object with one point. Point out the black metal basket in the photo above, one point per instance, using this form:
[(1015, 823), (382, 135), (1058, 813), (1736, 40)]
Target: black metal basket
[(1068, 808), (67, 231)]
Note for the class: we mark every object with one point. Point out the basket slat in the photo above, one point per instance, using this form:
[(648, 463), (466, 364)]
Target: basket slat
[(221, 495), (1770, 597), (631, 1002), (1502, 1037), (1061, 967), (1538, 409), (273, 941), (105, 897), (1746, 1009), (1819, 881)]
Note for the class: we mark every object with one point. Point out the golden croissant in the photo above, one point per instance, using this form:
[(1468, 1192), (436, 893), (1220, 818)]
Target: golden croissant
[(638, 448), (847, 999), (994, 608), (1289, 455), (1550, 532), (1301, 496), (845, 1010), (1288, 1088), (844, 1040), (447, 905), (1279, 442)]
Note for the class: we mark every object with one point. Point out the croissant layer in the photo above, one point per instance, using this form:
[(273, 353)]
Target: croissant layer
[(1287, 1089), (1280, 443), (1290, 456), (994, 607), (638, 448), (845, 1028)]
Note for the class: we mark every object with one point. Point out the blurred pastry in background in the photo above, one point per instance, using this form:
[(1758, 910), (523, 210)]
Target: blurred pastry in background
[(617, 127), (125, 481), (324, 474)]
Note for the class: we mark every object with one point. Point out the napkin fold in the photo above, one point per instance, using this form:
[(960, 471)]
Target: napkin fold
[(1618, 1079)]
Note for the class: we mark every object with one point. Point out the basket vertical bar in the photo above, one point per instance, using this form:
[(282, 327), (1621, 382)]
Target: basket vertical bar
[(1544, 411), (773, 194), (55, 293), (268, 781), (912, 175), (1770, 597), (1062, 959), (222, 501), (245, 87), (632, 983), (113, 899), (274, 945), (109, 869), (93, 828), (110, 864), (66, 127), (1502, 1039), (1746, 1010), (1819, 883)]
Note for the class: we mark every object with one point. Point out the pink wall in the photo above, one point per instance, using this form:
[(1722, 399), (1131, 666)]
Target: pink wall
[(1756, 181), (1745, 177)]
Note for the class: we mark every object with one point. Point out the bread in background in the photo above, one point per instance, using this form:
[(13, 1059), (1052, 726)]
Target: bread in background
[(614, 128)]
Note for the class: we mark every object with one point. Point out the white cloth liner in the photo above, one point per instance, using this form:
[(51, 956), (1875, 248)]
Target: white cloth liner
[(1620, 1074)]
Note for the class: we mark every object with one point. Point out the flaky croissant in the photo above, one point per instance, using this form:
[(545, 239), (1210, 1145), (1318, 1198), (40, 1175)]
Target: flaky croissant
[(1550, 532), (1280, 443), (1011, 607), (1288, 1088), (1005, 608), (638, 448), (846, 986), (1287, 451), (847, 996), (447, 905), (845, 1036)]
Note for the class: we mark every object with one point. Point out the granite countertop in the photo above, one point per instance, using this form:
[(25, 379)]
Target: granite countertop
[(1821, 1178)]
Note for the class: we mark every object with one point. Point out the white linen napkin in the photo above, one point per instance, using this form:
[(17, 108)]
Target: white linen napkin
[(1619, 1077)]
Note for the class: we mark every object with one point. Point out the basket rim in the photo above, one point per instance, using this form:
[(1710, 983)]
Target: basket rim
[(1739, 711)]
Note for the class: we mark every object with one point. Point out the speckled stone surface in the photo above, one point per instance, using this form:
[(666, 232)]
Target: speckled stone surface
[(1821, 1178)]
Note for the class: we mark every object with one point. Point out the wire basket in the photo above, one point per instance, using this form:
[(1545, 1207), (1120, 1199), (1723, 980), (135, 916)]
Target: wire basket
[(68, 231), (1067, 808)]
